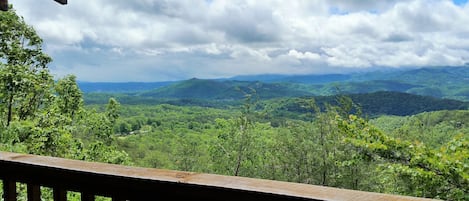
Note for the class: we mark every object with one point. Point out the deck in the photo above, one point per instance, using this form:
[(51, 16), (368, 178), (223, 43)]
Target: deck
[(136, 183)]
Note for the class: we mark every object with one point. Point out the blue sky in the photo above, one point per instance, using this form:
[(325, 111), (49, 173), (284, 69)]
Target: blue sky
[(460, 2), (160, 40)]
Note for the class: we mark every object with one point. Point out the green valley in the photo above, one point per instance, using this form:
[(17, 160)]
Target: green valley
[(399, 131)]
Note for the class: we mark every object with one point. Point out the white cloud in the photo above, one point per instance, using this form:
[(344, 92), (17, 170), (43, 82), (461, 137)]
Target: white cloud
[(226, 37), (305, 55), (62, 32)]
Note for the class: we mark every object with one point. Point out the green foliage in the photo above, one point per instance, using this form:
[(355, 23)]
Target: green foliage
[(436, 173), (433, 128), (112, 110), (39, 116), (235, 141), (69, 97), (24, 78), (312, 149), (321, 140)]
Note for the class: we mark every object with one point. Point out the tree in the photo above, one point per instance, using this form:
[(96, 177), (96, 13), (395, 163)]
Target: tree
[(421, 171), (69, 96), (37, 116), (24, 78), (235, 140), (313, 151), (112, 110)]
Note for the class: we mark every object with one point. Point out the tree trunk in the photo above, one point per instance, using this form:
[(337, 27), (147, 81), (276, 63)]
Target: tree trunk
[(10, 108)]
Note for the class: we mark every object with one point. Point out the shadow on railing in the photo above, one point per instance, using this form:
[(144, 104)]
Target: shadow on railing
[(134, 183)]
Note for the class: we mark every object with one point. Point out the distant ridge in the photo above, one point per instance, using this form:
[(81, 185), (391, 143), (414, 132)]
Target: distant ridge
[(119, 87), (311, 79), (442, 82), (225, 90), (382, 103)]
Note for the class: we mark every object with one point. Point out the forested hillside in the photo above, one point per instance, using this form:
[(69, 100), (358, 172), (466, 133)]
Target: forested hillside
[(371, 104), (443, 82), (384, 141), (225, 90), (325, 147)]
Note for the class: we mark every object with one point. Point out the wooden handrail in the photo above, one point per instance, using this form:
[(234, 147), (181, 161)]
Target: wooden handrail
[(137, 183), (4, 4), (63, 2)]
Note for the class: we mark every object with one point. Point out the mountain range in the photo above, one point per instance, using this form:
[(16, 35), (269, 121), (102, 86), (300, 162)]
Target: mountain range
[(440, 82)]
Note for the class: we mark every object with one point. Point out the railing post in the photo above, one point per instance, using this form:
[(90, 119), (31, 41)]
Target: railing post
[(118, 199), (60, 194), (34, 192), (87, 196), (4, 5), (9, 190)]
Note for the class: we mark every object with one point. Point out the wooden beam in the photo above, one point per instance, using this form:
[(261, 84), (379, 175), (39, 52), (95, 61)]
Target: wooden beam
[(4, 5), (63, 2)]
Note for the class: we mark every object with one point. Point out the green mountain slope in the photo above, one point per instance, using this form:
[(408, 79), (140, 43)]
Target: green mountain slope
[(193, 88), (403, 104), (366, 87), (371, 104), (228, 89), (442, 82)]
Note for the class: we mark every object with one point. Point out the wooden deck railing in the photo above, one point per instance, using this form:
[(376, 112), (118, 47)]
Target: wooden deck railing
[(135, 183), (4, 4)]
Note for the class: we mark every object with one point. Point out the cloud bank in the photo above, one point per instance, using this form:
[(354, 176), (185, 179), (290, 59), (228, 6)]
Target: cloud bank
[(158, 40)]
